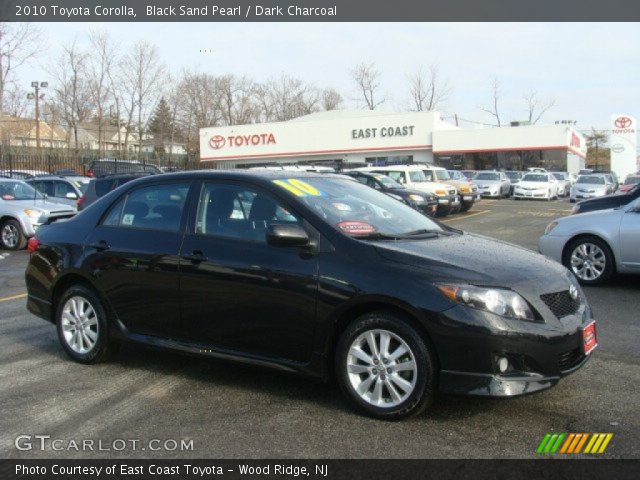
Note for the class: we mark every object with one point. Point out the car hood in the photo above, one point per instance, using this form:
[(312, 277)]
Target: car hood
[(590, 186), (540, 185), (487, 183), (471, 258), (44, 205)]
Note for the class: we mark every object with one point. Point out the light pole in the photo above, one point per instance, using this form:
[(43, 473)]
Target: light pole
[(37, 96)]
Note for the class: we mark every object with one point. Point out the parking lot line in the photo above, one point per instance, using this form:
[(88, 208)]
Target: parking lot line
[(13, 297), (465, 216)]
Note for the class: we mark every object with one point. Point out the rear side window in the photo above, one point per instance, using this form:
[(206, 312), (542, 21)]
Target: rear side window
[(104, 186), (156, 207), (63, 188)]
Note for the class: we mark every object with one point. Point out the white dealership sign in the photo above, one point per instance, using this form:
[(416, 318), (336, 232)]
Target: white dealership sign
[(314, 136), (623, 142)]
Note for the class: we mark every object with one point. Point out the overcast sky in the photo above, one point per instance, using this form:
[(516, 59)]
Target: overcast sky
[(591, 70)]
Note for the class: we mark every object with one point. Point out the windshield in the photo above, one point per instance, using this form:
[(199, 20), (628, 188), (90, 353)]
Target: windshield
[(357, 210), (18, 191), (457, 175), (513, 175), (388, 181), (535, 178), (442, 175), (487, 176), (559, 176), (589, 180), (632, 181)]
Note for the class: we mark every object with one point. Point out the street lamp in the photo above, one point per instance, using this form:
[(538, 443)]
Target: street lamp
[(37, 96)]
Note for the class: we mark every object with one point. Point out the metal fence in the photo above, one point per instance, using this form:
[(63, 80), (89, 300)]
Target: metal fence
[(53, 160)]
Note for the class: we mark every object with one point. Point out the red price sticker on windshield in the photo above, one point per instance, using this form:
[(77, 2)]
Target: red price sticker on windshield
[(356, 228)]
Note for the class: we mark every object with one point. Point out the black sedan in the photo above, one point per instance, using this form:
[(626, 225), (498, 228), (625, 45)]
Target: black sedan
[(606, 202), (425, 202), (309, 273)]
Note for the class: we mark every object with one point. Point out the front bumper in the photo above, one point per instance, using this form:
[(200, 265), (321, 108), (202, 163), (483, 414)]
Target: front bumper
[(448, 203), (531, 194), (539, 354)]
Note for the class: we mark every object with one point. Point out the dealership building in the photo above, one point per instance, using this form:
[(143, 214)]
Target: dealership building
[(348, 138)]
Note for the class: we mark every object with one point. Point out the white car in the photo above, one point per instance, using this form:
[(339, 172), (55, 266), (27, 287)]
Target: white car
[(412, 176), (492, 184), (536, 185), (589, 186), (564, 183)]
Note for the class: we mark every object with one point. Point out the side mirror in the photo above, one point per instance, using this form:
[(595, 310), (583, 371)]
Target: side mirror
[(287, 236), (71, 196)]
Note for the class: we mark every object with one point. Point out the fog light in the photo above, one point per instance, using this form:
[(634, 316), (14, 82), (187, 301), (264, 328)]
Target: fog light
[(503, 364)]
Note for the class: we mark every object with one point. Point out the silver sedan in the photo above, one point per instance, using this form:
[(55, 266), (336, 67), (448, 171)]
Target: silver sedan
[(596, 245)]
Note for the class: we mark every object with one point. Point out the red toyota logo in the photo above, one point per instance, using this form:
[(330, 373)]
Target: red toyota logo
[(623, 122), (217, 141)]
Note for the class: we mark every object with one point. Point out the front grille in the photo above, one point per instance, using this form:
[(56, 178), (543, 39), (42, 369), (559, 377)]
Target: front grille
[(561, 303), (568, 360), (452, 192)]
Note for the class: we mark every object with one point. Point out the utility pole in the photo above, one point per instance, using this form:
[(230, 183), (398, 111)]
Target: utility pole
[(37, 96)]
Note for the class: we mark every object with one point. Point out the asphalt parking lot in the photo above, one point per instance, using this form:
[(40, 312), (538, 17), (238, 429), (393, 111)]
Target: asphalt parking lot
[(232, 411)]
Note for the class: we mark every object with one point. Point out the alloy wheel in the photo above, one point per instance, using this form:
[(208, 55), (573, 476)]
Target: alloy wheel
[(79, 324), (588, 261), (10, 235), (381, 368)]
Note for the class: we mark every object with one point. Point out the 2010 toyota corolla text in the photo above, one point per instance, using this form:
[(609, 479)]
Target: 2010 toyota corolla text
[(309, 273)]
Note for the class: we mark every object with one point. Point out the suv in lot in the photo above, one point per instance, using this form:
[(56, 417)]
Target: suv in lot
[(23, 210), (468, 191), (413, 176), (309, 273), (65, 190), (107, 166), (99, 187)]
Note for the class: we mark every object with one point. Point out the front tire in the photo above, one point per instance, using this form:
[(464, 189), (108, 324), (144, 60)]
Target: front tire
[(384, 367), (82, 326), (11, 235), (590, 259)]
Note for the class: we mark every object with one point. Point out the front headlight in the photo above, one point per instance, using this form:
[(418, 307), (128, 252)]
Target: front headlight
[(550, 227), (441, 192), (32, 213), (464, 189), (499, 301), (416, 198)]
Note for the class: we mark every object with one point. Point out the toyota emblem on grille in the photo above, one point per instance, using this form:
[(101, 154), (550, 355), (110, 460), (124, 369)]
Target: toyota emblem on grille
[(573, 291)]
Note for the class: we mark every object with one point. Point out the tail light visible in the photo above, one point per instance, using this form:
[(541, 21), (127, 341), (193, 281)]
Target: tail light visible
[(32, 245), (81, 201), (90, 173)]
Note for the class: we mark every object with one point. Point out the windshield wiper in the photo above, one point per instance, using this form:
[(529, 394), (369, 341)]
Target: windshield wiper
[(415, 234)]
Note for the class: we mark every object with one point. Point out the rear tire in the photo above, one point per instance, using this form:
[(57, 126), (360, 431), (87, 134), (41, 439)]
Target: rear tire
[(11, 235), (384, 367), (83, 329)]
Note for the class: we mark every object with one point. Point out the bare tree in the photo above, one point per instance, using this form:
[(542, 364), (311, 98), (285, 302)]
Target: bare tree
[(236, 97), (496, 95), (331, 99), (15, 101), (536, 108), (72, 91), (142, 73), (19, 42), (428, 91), (286, 98), (100, 69), (367, 79)]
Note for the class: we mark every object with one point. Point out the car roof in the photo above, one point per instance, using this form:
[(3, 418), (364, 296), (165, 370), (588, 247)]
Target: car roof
[(390, 168)]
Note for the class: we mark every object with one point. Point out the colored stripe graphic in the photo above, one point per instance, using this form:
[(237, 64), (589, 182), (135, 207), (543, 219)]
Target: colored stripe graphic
[(573, 443)]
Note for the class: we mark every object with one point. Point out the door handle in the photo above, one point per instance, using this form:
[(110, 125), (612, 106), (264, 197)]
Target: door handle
[(100, 245), (196, 256)]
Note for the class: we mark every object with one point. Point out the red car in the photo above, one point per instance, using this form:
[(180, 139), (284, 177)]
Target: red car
[(630, 182)]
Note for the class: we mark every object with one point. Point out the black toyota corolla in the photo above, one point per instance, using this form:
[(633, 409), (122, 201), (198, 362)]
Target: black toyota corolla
[(313, 274)]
